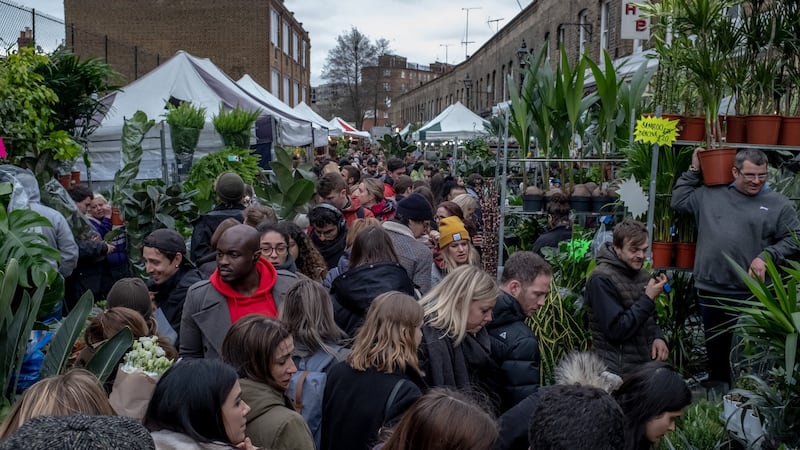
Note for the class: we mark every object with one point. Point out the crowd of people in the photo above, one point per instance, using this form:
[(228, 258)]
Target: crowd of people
[(370, 325)]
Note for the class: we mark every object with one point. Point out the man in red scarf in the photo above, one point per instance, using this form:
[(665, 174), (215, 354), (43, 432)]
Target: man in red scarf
[(243, 283)]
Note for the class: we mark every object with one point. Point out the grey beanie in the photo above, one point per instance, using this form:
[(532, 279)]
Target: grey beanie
[(80, 432), (230, 187)]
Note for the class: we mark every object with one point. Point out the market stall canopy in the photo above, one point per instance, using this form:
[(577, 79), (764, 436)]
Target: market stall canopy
[(320, 136), (184, 78), (406, 129), (306, 112), (455, 122), (342, 128)]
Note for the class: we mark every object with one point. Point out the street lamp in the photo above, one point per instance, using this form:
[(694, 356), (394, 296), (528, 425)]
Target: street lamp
[(522, 55), (468, 86)]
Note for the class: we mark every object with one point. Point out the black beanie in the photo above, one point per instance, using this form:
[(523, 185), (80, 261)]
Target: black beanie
[(229, 187), (415, 207)]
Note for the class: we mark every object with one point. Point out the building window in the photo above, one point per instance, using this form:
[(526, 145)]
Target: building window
[(285, 46), (276, 83), (604, 20), (387, 87), (403, 74), (561, 36), (582, 33), (387, 72), (547, 46), (303, 93), (275, 26), (286, 92), (295, 46), (296, 93)]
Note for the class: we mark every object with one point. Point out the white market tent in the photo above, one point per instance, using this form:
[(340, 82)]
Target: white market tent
[(341, 128), (305, 111), (455, 122), (186, 78), (320, 136)]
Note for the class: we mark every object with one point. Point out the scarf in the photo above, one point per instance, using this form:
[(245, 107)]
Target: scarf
[(330, 250)]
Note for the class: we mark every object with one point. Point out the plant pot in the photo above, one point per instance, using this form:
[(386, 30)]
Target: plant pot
[(604, 204), (581, 203), (75, 177), (532, 203), (184, 162), (183, 140), (736, 129), (662, 254), (790, 131), (763, 129), (694, 129), (717, 165), (65, 180), (116, 217), (684, 254)]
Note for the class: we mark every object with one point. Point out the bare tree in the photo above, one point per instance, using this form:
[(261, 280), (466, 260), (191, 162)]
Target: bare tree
[(344, 64)]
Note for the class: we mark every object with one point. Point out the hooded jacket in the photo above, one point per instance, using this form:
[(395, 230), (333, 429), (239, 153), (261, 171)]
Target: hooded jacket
[(621, 315), (353, 210), (272, 421), (353, 291), (59, 236), (515, 348)]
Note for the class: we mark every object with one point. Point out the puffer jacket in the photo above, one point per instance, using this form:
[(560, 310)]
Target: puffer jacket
[(515, 349), (353, 291), (621, 315)]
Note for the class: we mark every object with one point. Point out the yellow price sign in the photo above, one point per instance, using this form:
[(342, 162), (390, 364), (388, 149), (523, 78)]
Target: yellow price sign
[(656, 130)]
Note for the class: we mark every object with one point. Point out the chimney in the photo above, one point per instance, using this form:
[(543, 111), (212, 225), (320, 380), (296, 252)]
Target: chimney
[(25, 38)]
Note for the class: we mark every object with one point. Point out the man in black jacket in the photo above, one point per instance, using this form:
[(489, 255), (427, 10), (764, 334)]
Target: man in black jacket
[(523, 290), (620, 301)]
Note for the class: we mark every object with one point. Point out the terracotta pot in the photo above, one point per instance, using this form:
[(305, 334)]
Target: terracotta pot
[(684, 254), (116, 217), (677, 117), (790, 131), (694, 129), (763, 130), (662, 254), (735, 129), (65, 180), (76, 177), (717, 165)]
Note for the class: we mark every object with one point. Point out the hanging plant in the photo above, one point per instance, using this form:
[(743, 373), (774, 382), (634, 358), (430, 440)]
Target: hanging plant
[(185, 122), (235, 126)]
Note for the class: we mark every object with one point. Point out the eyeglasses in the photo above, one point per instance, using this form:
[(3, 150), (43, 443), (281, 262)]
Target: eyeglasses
[(752, 176), (279, 249)]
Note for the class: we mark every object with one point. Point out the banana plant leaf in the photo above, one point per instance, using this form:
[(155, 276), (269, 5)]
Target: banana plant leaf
[(109, 354), (61, 346)]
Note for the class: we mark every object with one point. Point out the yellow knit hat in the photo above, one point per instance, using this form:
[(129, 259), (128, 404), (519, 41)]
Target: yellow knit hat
[(451, 229)]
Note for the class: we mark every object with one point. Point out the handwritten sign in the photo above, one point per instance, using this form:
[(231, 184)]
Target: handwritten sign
[(656, 130)]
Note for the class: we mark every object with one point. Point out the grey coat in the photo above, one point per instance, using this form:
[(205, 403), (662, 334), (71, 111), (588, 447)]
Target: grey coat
[(206, 318), (414, 256)]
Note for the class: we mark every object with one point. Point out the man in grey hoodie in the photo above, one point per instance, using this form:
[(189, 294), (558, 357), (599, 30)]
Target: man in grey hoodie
[(59, 236), (744, 221)]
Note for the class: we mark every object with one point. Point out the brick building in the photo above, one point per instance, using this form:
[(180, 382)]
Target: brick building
[(580, 25), (262, 38)]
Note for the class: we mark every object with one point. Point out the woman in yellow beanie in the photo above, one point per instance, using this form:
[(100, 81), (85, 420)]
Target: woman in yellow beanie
[(455, 246)]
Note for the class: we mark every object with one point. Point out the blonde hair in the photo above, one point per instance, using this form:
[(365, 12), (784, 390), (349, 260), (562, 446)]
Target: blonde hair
[(467, 203), (387, 340), (474, 258), (357, 226), (75, 392), (446, 306), (374, 187)]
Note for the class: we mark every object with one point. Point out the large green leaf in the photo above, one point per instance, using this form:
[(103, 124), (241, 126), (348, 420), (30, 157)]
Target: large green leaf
[(65, 337), (109, 354)]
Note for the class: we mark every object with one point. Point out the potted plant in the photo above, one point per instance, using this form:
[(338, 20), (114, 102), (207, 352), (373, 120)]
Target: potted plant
[(203, 174), (687, 241), (706, 36), (185, 123), (235, 126)]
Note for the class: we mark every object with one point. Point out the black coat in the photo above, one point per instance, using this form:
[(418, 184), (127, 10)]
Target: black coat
[(353, 291), (204, 227), (92, 273), (515, 348), (552, 238), (356, 405), (170, 295)]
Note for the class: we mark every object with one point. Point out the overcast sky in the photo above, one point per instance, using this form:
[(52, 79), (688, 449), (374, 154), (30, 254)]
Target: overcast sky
[(416, 29)]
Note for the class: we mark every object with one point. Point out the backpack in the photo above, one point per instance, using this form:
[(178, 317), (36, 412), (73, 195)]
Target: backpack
[(307, 387)]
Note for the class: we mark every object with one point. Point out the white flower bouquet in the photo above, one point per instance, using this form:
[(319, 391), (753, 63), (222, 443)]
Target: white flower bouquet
[(137, 376)]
